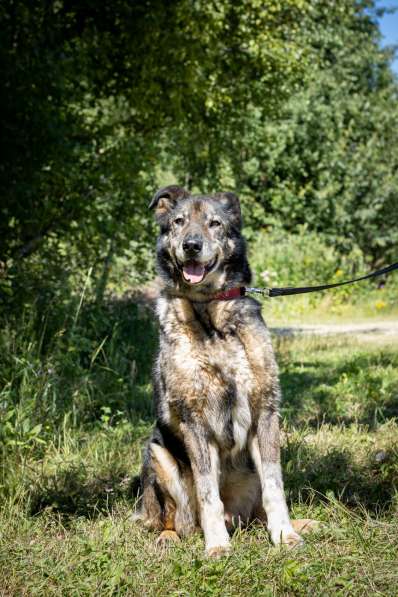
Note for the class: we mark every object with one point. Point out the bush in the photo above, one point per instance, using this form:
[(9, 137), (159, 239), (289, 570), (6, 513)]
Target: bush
[(306, 259)]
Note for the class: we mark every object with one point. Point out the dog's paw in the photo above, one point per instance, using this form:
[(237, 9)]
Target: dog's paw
[(167, 538), (292, 540), (305, 525), (219, 551), (287, 537)]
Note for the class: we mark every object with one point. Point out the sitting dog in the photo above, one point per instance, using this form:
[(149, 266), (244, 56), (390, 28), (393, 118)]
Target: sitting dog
[(213, 459)]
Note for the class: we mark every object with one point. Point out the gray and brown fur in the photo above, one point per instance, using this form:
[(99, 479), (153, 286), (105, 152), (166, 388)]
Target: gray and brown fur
[(213, 459)]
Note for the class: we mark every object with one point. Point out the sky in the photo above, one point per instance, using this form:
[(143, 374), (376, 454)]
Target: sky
[(389, 27)]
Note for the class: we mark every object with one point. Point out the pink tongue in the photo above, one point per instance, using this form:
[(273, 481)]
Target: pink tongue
[(193, 272)]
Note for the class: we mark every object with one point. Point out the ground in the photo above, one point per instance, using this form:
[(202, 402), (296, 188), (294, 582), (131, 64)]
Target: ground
[(67, 528), (372, 329)]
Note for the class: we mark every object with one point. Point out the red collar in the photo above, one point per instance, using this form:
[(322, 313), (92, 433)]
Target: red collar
[(232, 293)]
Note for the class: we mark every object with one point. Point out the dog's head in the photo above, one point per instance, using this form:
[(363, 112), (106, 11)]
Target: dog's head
[(200, 249)]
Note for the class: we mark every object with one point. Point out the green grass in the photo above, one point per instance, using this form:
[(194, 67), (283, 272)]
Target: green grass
[(351, 555), (67, 497), (339, 379), (333, 306)]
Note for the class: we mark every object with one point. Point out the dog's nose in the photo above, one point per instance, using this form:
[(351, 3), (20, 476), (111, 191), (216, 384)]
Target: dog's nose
[(192, 245)]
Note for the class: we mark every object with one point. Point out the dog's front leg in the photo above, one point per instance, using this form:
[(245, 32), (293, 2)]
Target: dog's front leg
[(205, 464), (265, 451)]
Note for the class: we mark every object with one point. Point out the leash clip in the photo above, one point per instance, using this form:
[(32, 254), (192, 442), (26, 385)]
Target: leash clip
[(263, 291)]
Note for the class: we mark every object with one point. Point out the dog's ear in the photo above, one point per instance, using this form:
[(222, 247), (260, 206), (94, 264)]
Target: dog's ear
[(165, 200), (230, 203)]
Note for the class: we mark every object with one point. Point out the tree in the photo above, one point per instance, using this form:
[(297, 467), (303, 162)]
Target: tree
[(96, 95), (331, 159)]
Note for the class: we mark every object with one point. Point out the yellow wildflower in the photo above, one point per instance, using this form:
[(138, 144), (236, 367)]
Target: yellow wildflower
[(380, 305)]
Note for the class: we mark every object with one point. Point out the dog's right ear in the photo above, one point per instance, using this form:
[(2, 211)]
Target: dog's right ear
[(165, 200)]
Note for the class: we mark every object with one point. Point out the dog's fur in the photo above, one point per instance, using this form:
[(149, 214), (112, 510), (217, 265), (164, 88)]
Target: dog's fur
[(213, 459)]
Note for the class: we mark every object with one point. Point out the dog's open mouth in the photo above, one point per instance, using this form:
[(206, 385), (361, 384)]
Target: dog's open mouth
[(195, 272)]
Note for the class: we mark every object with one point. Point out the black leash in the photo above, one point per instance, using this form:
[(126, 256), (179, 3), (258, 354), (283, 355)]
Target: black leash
[(270, 292)]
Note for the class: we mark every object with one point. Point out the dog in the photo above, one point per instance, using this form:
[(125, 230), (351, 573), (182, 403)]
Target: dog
[(213, 459)]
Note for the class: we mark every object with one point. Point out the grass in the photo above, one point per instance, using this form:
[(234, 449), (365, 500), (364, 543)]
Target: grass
[(339, 379), (67, 494), (333, 306)]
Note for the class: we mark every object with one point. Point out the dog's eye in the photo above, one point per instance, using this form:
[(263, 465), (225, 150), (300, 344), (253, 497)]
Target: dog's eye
[(215, 224), (179, 221)]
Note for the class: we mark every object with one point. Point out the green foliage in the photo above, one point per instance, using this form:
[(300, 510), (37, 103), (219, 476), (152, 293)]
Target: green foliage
[(280, 259), (329, 160), (97, 97), (293, 104), (84, 363)]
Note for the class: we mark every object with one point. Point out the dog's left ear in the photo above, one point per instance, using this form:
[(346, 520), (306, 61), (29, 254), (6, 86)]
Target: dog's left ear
[(165, 200), (230, 203)]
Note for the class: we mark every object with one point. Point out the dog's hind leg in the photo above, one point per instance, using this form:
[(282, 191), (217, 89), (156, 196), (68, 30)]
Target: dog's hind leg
[(149, 512), (168, 535), (300, 525), (305, 525), (180, 510)]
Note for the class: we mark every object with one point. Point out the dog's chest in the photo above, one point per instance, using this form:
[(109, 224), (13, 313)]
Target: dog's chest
[(213, 377), (227, 409)]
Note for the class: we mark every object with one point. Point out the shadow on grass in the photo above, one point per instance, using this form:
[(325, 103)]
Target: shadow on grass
[(72, 492), (361, 389), (310, 475)]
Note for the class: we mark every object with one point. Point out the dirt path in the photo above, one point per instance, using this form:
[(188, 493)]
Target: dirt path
[(384, 328)]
